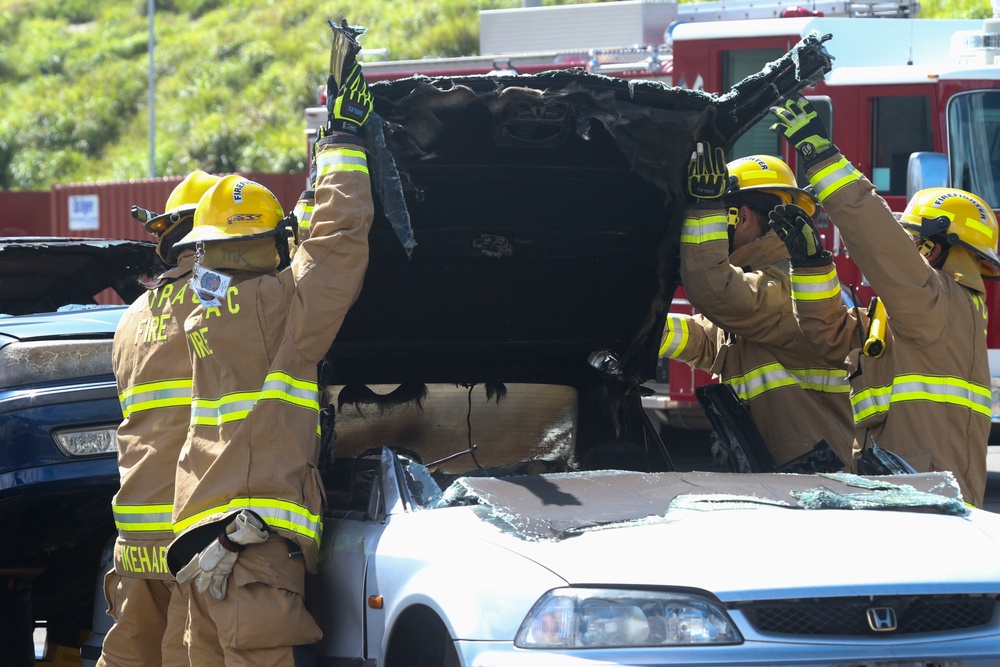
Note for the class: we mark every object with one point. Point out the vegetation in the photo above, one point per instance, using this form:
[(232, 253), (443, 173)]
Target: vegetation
[(232, 78)]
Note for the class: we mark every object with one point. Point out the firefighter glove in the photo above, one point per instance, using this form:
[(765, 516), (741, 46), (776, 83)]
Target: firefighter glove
[(795, 227), (348, 100), (211, 568), (708, 177), (802, 127)]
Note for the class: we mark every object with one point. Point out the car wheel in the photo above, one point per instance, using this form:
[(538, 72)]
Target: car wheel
[(420, 639)]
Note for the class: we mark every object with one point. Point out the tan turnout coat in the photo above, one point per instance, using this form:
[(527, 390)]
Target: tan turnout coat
[(254, 443), (747, 336), (927, 397)]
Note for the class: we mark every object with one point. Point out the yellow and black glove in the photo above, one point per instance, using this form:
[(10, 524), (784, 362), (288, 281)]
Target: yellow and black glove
[(348, 100), (795, 227), (802, 127), (708, 176)]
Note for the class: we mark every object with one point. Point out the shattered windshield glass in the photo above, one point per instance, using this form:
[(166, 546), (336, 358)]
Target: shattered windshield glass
[(510, 452)]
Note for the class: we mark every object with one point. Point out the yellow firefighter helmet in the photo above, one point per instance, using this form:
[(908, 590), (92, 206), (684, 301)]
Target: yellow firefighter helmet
[(961, 218), (176, 220), (235, 209), (770, 175)]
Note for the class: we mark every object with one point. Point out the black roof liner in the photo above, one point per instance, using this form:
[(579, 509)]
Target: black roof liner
[(546, 211)]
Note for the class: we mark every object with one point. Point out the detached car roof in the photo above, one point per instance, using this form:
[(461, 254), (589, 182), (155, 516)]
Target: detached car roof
[(539, 217), (43, 274)]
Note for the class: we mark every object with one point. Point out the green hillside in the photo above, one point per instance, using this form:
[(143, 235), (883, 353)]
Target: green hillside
[(232, 79)]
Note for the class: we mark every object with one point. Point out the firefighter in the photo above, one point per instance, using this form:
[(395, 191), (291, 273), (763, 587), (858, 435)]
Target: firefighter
[(736, 276), (249, 500), (151, 365), (926, 395)]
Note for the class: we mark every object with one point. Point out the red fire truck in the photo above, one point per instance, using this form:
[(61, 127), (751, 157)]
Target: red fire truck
[(912, 102)]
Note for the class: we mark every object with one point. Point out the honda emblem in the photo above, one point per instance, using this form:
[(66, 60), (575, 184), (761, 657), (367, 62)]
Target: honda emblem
[(882, 619)]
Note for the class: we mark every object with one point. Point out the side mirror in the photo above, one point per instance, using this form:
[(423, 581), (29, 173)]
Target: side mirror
[(926, 170)]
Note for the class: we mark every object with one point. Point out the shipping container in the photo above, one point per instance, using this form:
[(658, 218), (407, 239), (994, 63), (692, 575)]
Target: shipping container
[(104, 209)]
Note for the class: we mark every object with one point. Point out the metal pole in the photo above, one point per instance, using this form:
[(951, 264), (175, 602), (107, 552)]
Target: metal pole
[(150, 10)]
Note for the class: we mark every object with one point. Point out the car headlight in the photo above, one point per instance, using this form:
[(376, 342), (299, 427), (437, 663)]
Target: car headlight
[(606, 618), (44, 361), (88, 442)]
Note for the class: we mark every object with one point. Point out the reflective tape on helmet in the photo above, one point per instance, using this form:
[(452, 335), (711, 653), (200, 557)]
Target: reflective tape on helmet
[(940, 389), (152, 395), (278, 514), (711, 227), (815, 287), (675, 337), (340, 159), (143, 518), (237, 405), (833, 177)]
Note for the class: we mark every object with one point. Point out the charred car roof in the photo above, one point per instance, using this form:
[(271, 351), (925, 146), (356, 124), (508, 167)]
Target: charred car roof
[(546, 211)]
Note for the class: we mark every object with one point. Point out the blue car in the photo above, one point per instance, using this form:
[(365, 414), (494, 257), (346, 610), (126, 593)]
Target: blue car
[(60, 301)]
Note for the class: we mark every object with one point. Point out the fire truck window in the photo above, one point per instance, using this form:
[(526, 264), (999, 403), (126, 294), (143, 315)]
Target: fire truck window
[(974, 143), (738, 64), (900, 125)]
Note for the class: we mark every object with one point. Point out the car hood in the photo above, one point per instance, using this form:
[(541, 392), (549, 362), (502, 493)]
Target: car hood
[(43, 274), (741, 536), (540, 218), (96, 322)]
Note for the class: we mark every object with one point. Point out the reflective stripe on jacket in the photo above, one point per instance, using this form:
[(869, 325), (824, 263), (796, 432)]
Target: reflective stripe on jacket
[(747, 336), (254, 436), (927, 397), (152, 368)]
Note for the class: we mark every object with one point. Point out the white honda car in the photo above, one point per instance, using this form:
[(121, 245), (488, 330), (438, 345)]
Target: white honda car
[(496, 494)]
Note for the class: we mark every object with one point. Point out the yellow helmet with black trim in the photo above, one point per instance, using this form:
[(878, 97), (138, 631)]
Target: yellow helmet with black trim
[(176, 220), (961, 218), (235, 209), (770, 175)]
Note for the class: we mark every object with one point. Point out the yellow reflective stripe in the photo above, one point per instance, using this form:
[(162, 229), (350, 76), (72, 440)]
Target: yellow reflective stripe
[(760, 175), (303, 213), (831, 178), (812, 287), (282, 386), (765, 378), (774, 376), (143, 518), (152, 395), (711, 227), (826, 380), (232, 407), (915, 387), (340, 159), (275, 512), (676, 336)]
